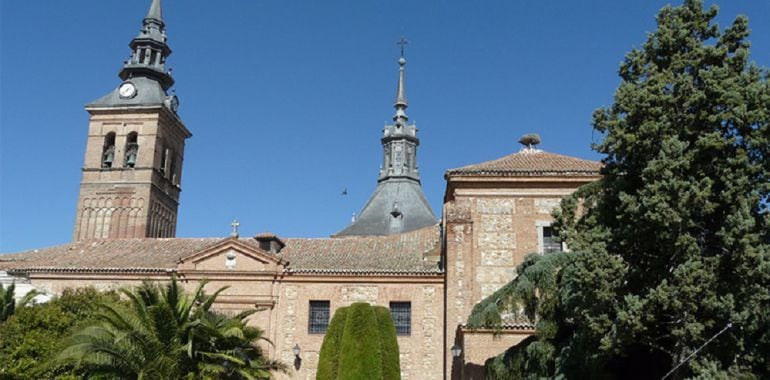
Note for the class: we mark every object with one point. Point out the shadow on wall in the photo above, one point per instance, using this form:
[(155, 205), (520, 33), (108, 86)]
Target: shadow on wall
[(457, 362), (474, 371)]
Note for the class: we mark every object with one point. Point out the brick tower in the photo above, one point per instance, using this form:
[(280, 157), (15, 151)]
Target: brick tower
[(134, 153)]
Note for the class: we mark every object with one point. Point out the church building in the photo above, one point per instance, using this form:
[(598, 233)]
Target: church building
[(430, 271)]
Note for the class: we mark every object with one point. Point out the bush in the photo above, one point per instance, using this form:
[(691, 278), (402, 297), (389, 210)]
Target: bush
[(31, 337), (360, 344)]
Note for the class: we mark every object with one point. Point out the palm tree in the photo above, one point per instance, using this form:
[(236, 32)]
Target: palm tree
[(162, 332), (226, 352), (8, 303)]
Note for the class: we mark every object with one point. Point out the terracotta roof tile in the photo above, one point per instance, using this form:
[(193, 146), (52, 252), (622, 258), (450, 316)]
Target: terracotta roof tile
[(265, 235), (128, 254), (395, 254), (402, 253), (530, 163)]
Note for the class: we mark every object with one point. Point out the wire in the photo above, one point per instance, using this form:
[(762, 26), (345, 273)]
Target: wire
[(729, 325)]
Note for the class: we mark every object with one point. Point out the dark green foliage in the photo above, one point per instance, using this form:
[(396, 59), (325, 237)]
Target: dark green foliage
[(360, 344), (30, 338), (532, 297), (164, 332), (388, 343), (8, 304), (360, 348), (329, 357), (673, 243)]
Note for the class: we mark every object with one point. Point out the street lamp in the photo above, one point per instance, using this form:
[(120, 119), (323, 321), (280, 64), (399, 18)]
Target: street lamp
[(456, 351), (296, 350)]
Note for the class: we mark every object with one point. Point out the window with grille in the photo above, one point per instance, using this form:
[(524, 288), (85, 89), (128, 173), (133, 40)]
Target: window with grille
[(401, 313), (551, 242), (318, 318)]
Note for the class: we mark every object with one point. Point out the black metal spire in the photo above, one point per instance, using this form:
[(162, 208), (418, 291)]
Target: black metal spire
[(400, 140), (398, 204), (401, 103), (150, 50)]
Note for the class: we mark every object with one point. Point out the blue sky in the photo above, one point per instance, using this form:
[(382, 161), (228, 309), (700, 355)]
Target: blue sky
[(287, 99)]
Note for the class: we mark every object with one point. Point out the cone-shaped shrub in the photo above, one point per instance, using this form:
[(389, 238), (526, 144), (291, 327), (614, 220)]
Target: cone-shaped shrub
[(389, 344), (329, 360), (360, 348), (360, 344)]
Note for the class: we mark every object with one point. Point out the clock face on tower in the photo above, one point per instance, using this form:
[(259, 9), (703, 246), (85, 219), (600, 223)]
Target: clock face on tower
[(127, 90), (174, 103)]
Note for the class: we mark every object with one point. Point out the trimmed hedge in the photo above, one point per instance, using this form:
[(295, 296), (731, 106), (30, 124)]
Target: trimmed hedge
[(329, 357), (360, 344)]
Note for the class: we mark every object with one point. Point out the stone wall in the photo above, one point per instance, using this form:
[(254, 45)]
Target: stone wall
[(480, 345), (490, 226), (420, 352)]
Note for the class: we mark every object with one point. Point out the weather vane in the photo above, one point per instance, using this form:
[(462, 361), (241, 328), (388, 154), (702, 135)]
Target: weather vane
[(402, 42)]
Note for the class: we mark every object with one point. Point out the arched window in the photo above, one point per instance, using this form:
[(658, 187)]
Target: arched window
[(108, 151), (132, 150)]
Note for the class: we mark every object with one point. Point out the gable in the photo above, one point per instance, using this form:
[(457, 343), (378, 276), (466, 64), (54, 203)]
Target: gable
[(232, 255)]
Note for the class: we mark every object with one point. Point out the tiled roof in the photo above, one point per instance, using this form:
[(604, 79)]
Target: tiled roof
[(530, 162), (402, 253), (395, 254), (108, 255)]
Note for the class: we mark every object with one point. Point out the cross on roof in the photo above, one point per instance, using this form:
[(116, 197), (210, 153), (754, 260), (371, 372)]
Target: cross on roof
[(402, 42), (235, 225)]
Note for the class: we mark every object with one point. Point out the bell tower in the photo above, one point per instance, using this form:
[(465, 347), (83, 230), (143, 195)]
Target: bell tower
[(134, 153)]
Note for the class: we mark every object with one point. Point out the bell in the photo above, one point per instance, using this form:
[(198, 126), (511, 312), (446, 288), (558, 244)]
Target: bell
[(109, 157), (131, 159)]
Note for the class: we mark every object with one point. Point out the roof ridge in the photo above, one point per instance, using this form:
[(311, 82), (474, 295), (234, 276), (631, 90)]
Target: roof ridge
[(534, 162)]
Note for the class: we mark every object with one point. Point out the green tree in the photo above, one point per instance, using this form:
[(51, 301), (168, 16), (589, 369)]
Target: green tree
[(8, 303), (30, 338), (673, 244), (360, 344), (165, 333)]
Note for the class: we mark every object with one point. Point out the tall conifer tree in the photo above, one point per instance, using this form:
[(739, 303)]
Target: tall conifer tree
[(672, 246)]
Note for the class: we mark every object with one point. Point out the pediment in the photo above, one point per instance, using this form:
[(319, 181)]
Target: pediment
[(231, 255)]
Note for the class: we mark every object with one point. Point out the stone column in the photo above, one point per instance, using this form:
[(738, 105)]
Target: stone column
[(459, 267)]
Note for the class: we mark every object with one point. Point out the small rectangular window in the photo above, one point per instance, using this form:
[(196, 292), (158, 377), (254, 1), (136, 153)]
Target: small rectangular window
[(318, 317), (401, 313), (551, 242)]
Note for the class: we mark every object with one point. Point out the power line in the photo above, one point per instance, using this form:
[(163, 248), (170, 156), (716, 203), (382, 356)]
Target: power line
[(729, 325)]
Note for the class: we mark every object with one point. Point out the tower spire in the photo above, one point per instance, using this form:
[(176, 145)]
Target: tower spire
[(398, 204), (150, 50), (155, 12), (401, 104)]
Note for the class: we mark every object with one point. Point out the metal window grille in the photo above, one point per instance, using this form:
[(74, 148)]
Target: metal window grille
[(318, 318), (551, 242), (401, 313)]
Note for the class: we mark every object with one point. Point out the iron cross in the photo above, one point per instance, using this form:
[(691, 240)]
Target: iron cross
[(235, 225), (402, 42)]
